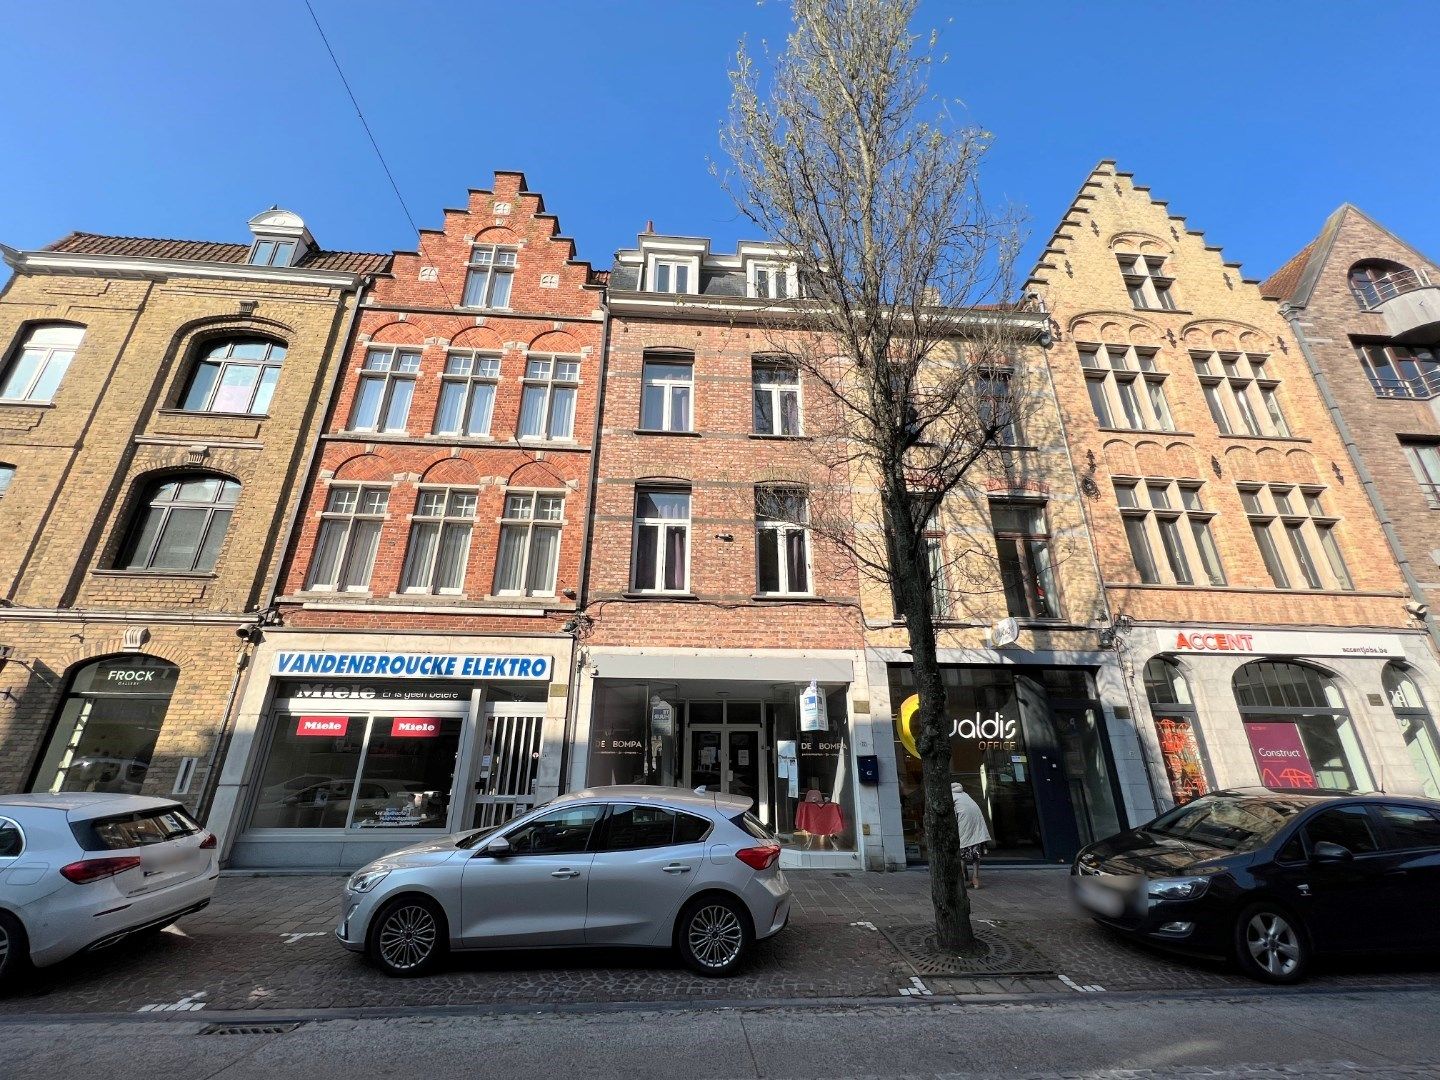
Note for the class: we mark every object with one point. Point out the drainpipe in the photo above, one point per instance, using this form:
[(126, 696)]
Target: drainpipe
[(572, 704), (1367, 481)]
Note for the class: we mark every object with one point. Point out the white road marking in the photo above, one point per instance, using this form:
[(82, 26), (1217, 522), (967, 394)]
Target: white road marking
[(188, 1003), (291, 939)]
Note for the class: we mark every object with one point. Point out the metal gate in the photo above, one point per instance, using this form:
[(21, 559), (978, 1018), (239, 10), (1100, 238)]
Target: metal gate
[(508, 766)]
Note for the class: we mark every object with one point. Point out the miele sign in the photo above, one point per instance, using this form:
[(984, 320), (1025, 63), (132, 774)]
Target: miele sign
[(1198, 639)]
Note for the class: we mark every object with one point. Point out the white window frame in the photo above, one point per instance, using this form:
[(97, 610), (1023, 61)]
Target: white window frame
[(1150, 288), (7, 477), (1295, 520), (1228, 379), (782, 529), (762, 384), (1112, 369), (671, 264), (50, 354), (447, 518), (348, 517), (205, 356), (489, 262), (463, 368), (775, 272), (1424, 458), (667, 411), (402, 365), (661, 526), (532, 524), (267, 251), (549, 382), (1160, 507)]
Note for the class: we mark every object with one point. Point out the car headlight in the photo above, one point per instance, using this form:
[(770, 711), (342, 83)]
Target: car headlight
[(1181, 888), (365, 880)]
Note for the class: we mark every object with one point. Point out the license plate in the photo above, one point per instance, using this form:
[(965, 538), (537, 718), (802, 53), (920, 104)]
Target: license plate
[(1107, 896)]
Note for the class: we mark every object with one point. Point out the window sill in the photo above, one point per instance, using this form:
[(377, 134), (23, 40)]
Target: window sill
[(660, 431), (474, 307), (203, 413), (1247, 589), (686, 596), (781, 438), (787, 598), (153, 574), (1266, 438), (1165, 310), (537, 440), (1145, 431), (18, 403)]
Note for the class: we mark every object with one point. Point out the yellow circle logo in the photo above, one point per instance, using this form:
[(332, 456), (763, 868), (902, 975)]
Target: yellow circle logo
[(909, 709)]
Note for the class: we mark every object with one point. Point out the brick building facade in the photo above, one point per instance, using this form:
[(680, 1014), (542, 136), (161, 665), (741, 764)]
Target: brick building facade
[(442, 528), (156, 401), (1365, 307), (1236, 542)]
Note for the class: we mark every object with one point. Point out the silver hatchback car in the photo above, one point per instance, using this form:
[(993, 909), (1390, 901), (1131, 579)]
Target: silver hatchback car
[(641, 866)]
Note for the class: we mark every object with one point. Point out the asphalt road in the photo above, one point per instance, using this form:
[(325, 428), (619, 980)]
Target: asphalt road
[(1314, 1035)]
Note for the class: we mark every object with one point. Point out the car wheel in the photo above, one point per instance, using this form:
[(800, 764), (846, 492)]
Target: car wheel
[(14, 948), (714, 936), (408, 937), (1271, 945)]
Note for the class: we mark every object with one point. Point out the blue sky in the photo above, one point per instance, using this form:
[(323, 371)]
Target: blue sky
[(1254, 120)]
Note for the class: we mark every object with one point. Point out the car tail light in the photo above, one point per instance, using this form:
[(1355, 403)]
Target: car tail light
[(761, 858), (87, 870), (209, 843)]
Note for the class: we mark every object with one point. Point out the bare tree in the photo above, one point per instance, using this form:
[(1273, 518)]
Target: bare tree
[(842, 156)]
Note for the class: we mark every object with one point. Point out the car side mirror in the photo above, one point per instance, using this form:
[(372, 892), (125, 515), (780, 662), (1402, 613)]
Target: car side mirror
[(1327, 852), (497, 848)]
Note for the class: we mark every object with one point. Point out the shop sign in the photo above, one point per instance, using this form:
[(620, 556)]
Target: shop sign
[(662, 717), (996, 732), (325, 727), (1199, 639), (1280, 755), (407, 665), (138, 676), (349, 691), (814, 716), (414, 727)]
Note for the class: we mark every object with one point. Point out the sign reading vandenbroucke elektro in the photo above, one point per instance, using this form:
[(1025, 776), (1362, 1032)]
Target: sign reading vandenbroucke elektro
[(374, 665)]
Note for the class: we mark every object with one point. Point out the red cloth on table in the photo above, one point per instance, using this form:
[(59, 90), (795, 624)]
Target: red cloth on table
[(819, 819)]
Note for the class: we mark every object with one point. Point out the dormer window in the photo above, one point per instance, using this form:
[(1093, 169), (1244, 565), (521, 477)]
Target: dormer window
[(670, 275), (272, 253), (281, 239), (772, 281)]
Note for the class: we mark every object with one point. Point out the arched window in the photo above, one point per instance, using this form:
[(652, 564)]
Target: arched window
[(1176, 726), (1300, 732), (1415, 725), (105, 735), (1369, 281), (40, 362), (181, 524), (7, 474), (234, 375)]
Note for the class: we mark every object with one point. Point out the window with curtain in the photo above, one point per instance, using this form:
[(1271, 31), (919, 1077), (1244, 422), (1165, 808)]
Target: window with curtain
[(387, 383), (1022, 542), (661, 555), (775, 386), (39, 362), (547, 402), (234, 375), (667, 393), (467, 394), (529, 543), (782, 542), (349, 538), (439, 541), (180, 525)]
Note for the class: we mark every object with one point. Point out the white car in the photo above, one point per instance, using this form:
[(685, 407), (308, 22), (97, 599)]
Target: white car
[(80, 871), (644, 866)]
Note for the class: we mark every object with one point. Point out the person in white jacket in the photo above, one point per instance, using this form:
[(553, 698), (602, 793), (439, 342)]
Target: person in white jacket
[(974, 834)]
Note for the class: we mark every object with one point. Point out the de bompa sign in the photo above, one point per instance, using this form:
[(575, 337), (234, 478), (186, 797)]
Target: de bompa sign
[(406, 665)]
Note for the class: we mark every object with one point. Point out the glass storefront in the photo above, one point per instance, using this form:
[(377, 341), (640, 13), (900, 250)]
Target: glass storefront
[(1298, 727), (1416, 726), (735, 738), (1029, 746), (1178, 729), (109, 723)]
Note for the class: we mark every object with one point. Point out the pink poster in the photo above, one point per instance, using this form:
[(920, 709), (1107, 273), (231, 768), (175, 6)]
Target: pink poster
[(1280, 755)]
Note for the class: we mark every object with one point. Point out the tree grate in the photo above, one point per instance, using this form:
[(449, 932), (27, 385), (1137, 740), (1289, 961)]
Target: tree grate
[(999, 955), (246, 1029)]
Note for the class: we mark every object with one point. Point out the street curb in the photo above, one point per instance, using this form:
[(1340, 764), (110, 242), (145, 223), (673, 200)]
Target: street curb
[(594, 1008)]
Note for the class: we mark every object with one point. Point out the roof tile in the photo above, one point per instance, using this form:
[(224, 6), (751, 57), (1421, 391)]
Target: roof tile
[(145, 247)]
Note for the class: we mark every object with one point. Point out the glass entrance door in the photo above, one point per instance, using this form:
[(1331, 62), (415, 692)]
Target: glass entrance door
[(731, 759)]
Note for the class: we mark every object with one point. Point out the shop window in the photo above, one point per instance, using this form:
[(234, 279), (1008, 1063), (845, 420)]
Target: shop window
[(547, 401), (39, 363), (667, 393), (529, 544), (775, 388), (439, 542), (234, 375), (1022, 543), (387, 383), (467, 394), (1300, 732), (488, 280), (104, 738), (329, 771), (660, 560), (1126, 388), (349, 538), (782, 542), (1177, 727), (180, 525), (1416, 726)]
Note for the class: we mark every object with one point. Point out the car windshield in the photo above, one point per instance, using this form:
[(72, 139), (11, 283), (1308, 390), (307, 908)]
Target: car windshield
[(1230, 824)]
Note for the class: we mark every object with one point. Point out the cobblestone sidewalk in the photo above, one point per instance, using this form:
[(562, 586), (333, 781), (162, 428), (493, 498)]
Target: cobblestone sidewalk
[(265, 943)]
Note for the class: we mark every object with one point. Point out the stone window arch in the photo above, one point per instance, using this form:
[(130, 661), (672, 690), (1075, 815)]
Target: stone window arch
[(1300, 731)]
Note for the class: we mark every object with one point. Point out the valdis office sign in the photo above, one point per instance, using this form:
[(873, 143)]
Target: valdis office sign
[(995, 732), (406, 665), (1204, 639)]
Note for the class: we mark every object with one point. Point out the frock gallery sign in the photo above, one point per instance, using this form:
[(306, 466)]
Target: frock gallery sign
[(405, 665)]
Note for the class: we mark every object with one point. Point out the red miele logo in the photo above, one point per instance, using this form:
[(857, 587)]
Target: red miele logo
[(1208, 641), (414, 727), (333, 726)]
